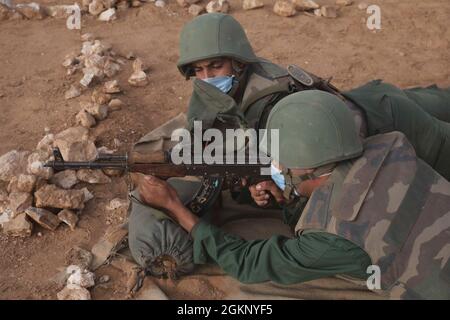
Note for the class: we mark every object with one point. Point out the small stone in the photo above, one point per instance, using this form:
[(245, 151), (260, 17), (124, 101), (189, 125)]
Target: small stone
[(305, 5), (130, 55), (65, 179), (138, 79), (363, 6), (46, 144), (284, 8), (73, 293), (196, 10), (92, 176), (115, 104), (19, 202), (103, 279), (54, 197), (87, 79), (111, 68), (80, 277), (79, 257), (252, 4), (44, 217), (100, 98), (318, 12), (39, 234), (13, 163), (85, 119), (329, 11), (138, 65), (87, 37), (68, 217), (87, 194), (111, 87), (18, 226), (36, 162), (160, 3), (70, 60), (99, 112), (344, 2), (96, 7), (104, 150), (31, 10), (22, 183), (108, 15), (73, 92), (222, 6), (5, 216)]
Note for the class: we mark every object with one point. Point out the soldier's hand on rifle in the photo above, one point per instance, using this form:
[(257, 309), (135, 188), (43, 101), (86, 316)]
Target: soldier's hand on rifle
[(158, 193), (261, 193)]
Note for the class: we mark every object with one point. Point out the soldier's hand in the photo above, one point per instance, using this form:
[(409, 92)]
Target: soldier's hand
[(158, 193), (261, 193)]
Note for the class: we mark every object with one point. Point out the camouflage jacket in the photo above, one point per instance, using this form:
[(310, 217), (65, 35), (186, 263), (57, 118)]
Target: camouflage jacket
[(395, 207)]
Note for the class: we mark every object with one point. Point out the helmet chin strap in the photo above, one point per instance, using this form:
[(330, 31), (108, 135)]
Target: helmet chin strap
[(293, 180)]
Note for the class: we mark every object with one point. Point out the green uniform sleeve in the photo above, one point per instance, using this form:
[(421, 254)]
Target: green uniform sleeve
[(279, 259)]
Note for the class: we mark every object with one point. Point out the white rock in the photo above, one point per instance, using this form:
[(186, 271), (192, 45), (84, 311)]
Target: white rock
[(92, 176), (222, 6), (85, 119), (46, 143), (252, 4), (60, 11), (87, 79), (75, 144), (105, 150), (160, 3), (108, 15), (284, 8), (22, 183), (96, 7), (111, 87), (31, 10), (99, 112), (73, 292), (18, 226), (344, 2), (87, 194), (65, 179), (80, 277), (54, 197), (73, 92), (12, 164), (138, 79), (36, 162), (115, 104)]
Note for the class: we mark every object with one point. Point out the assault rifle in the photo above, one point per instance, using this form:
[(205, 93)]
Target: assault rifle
[(215, 177)]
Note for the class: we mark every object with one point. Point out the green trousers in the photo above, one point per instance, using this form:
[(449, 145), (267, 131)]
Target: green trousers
[(422, 114)]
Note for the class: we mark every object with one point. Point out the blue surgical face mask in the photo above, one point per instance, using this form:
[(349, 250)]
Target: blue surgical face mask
[(279, 179), (223, 83)]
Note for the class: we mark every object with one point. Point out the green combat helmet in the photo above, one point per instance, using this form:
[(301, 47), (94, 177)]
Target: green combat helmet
[(315, 129), (210, 36)]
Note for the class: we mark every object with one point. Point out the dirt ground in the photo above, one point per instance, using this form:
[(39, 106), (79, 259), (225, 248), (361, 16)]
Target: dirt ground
[(413, 48)]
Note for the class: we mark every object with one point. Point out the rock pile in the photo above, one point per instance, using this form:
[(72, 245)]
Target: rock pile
[(320, 8)]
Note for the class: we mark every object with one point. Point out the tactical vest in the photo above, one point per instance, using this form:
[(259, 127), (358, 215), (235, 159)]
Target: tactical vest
[(396, 208)]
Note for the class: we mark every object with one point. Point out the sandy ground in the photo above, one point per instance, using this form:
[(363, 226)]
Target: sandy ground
[(413, 48)]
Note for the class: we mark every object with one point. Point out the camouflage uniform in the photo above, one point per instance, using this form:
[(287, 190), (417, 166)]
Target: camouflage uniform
[(381, 202), (260, 87)]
